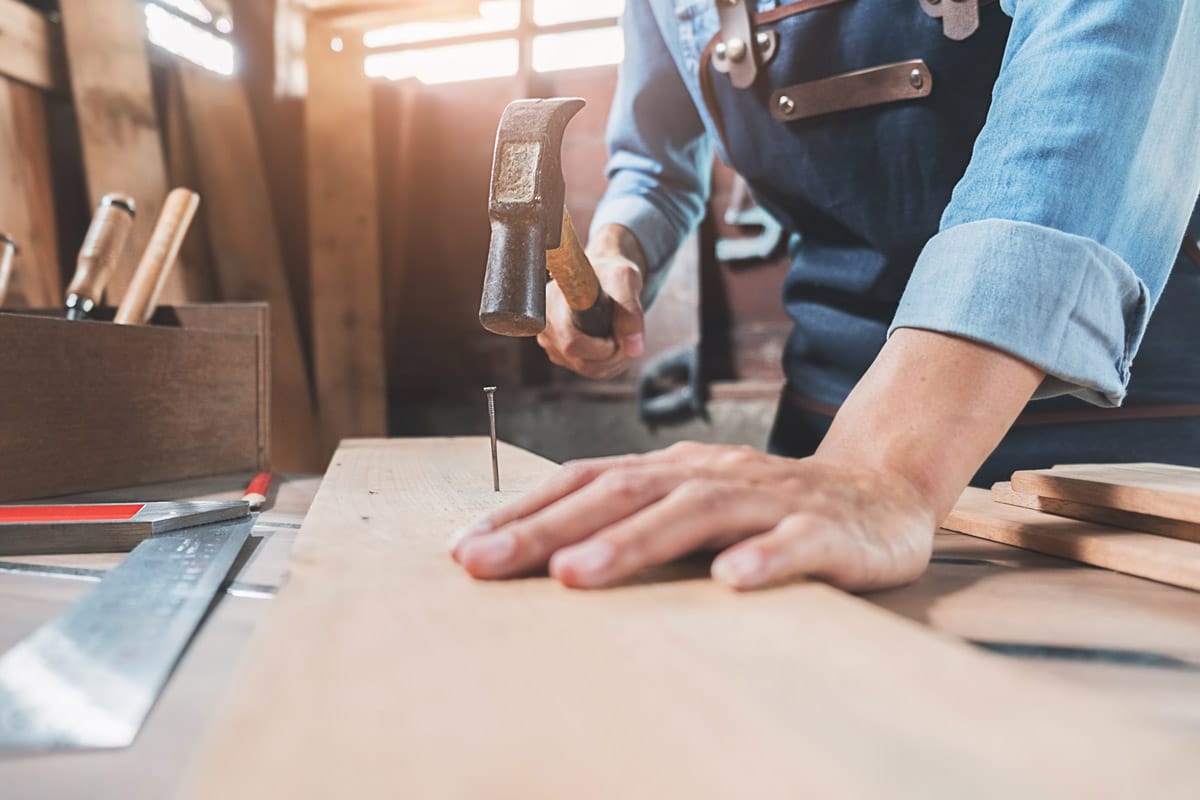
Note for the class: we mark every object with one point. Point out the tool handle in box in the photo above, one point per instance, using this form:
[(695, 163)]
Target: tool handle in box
[(141, 298), (101, 251)]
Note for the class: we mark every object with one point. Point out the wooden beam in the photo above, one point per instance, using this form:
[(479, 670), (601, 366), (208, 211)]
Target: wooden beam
[(1147, 523), (1145, 555), (343, 221), (1162, 490), (382, 669), (196, 259), (118, 124), (31, 47), (27, 202), (245, 246)]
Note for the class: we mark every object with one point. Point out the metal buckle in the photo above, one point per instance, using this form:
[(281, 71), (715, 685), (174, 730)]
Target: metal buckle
[(740, 53), (960, 18)]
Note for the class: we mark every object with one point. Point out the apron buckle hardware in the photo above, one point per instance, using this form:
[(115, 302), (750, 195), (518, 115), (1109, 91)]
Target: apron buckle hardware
[(734, 51), (960, 18), (742, 51)]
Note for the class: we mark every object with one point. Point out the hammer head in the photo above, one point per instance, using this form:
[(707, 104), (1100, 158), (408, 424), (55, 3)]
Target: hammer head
[(525, 207)]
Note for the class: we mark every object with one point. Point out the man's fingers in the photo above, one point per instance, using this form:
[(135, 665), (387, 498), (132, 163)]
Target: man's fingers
[(527, 543), (800, 546), (571, 477), (699, 513)]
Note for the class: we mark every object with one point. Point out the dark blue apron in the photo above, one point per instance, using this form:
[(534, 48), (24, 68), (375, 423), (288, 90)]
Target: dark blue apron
[(865, 189)]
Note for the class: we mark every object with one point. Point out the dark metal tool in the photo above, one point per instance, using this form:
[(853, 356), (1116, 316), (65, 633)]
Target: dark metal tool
[(532, 231), (99, 255), (8, 253)]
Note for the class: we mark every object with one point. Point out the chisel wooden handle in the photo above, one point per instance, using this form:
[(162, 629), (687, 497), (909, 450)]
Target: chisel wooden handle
[(8, 253), (591, 308), (141, 298), (99, 255)]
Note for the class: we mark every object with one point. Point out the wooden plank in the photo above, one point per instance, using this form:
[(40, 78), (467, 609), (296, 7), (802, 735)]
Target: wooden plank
[(30, 530), (27, 206), (246, 251), (1161, 490), (1143, 554), (426, 683), (347, 284), (118, 123), (31, 47), (90, 405), (1146, 523)]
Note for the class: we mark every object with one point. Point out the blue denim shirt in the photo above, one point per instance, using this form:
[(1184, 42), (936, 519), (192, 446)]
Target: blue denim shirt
[(1061, 235)]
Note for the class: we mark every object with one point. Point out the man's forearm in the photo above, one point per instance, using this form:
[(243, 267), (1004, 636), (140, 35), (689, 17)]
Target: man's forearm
[(931, 409)]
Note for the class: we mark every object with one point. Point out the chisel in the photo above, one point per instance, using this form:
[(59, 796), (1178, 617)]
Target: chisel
[(141, 298), (8, 252), (99, 255)]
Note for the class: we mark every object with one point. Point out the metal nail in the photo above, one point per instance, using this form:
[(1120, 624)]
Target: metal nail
[(787, 105), (916, 79), (490, 391)]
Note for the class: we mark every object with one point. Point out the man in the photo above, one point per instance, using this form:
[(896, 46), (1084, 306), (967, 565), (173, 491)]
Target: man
[(981, 220)]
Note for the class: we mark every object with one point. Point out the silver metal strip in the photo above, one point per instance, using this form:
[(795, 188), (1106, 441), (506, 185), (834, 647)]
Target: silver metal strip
[(88, 678)]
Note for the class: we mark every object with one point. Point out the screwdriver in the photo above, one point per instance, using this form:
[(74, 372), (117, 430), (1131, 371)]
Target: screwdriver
[(99, 255)]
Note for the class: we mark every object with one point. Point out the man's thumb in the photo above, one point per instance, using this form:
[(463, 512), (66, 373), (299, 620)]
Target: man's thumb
[(629, 324)]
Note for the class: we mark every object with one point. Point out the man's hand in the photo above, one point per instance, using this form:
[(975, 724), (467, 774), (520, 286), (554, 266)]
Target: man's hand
[(860, 514), (775, 519), (619, 263)]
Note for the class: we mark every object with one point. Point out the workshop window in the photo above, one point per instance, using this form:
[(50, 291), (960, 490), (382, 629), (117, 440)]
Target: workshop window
[(190, 30), (506, 38)]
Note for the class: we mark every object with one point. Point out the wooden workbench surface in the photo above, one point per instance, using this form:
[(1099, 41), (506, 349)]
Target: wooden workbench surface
[(976, 590)]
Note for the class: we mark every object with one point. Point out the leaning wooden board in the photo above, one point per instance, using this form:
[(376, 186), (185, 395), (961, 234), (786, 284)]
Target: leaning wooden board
[(1160, 490), (118, 122), (1146, 555), (382, 670)]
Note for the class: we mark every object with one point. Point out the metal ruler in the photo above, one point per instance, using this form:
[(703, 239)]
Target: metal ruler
[(88, 678)]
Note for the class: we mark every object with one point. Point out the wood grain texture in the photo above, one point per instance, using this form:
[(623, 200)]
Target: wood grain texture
[(383, 670), (1146, 523), (343, 220), (1145, 555), (246, 252), (118, 123), (90, 405), (1159, 490), (31, 47), (27, 202), (196, 261)]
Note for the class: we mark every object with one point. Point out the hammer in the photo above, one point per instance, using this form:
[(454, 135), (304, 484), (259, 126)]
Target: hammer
[(532, 230)]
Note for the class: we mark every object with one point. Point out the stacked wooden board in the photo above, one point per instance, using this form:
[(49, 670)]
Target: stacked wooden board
[(1142, 519), (383, 670)]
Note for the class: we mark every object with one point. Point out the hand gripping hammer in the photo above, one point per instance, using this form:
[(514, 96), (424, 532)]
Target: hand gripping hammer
[(532, 231)]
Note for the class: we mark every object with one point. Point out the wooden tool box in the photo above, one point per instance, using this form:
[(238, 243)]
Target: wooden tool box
[(87, 406)]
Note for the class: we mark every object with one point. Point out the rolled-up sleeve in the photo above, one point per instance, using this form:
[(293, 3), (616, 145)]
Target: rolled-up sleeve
[(1061, 235), (660, 159)]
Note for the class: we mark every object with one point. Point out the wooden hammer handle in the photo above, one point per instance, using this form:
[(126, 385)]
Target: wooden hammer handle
[(163, 248), (591, 308)]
